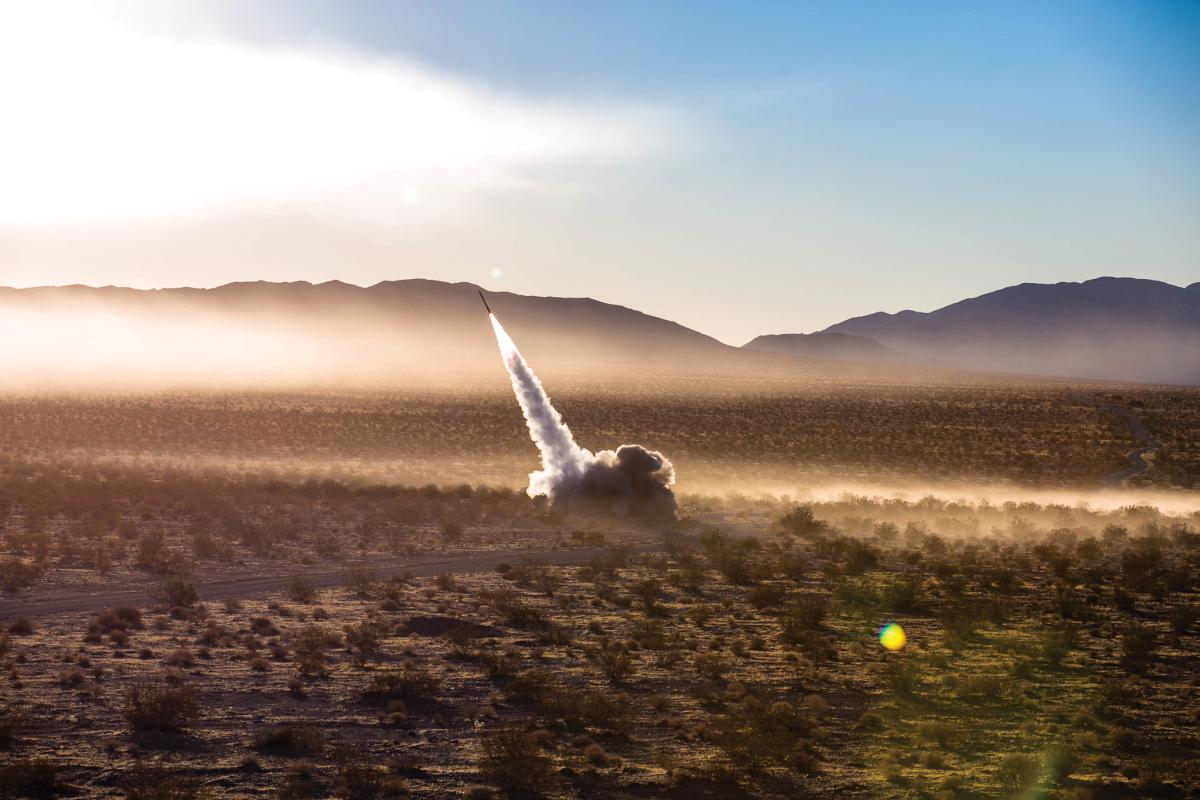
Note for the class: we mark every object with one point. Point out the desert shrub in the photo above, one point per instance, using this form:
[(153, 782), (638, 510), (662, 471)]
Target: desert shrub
[(711, 666), (981, 688), (451, 531), (508, 604), (804, 613), (1123, 739), (16, 574), (72, 676), (755, 735), (734, 564), (358, 780), (176, 592), (301, 589), (1018, 772), (364, 640), (29, 777), (1056, 644), (595, 708), (609, 563), (156, 783), (360, 580), (1184, 618), (154, 708), (204, 547), (766, 595), (873, 594), (513, 761), (1137, 649), (292, 741), (597, 756), (301, 783), (531, 687), (311, 643), (1141, 564), (183, 657), (616, 665), (1124, 601), (151, 550), (870, 721), (902, 677), (1089, 549), (648, 634), (21, 626), (649, 591), (799, 521), (121, 618), (943, 734), (792, 565), (8, 730), (855, 555), (960, 625), (412, 683)]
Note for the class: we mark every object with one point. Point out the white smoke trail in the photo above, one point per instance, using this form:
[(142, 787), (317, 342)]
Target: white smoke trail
[(631, 480), (563, 461)]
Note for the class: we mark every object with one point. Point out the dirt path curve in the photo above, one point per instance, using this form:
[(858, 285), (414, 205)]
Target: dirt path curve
[(97, 599), (1136, 458)]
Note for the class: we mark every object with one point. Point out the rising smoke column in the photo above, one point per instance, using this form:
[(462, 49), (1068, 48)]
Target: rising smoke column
[(632, 480)]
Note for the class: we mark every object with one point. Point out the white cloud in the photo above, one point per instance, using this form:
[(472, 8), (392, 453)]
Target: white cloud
[(102, 124)]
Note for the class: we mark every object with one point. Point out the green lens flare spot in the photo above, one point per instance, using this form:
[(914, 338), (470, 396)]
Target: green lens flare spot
[(892, 637)]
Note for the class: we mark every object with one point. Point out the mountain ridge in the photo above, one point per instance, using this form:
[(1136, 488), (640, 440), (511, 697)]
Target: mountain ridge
[(1108, 328), (835, 346)]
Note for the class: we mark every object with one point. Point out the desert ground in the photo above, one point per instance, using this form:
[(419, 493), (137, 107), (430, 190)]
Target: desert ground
[(348, 594)]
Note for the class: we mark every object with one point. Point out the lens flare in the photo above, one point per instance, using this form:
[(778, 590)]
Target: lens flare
[(892, 637)]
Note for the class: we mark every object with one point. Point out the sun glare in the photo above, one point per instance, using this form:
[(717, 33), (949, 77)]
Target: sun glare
[(107, 124)]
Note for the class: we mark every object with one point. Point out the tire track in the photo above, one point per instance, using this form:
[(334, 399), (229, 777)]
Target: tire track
[(1137, 463), (269, 584)]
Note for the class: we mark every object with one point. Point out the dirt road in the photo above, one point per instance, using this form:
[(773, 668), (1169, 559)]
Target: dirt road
[(97, 598), (1136, 457), (1137, 463)]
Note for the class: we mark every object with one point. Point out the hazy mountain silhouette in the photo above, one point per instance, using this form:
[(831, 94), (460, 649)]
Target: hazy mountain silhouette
[(335, 331), (405, 330), (833, 346), (1114, 328)]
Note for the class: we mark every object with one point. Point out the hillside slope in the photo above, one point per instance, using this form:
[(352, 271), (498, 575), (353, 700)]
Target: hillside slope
[(834, 346), (1110, 328), (327, 332)]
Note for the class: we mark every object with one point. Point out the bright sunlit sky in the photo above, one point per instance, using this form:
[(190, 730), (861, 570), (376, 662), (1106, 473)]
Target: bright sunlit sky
[(741, 168)]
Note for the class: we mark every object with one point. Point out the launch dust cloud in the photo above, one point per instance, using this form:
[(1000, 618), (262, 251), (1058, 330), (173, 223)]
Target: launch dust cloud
[(631, 481)]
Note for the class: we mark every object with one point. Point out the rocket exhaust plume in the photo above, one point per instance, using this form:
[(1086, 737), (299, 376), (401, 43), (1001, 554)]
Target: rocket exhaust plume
[(630, 481)]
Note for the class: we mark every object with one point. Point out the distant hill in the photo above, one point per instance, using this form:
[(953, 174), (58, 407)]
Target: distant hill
[(1108, 328), (833, 346), (330, 331), (403, 332)]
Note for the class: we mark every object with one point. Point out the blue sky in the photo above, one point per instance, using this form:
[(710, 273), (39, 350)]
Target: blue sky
[(742, 168)]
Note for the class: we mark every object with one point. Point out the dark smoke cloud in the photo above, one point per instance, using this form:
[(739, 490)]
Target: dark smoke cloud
[(633, 481)]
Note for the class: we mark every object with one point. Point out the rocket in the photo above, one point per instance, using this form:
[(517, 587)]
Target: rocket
[(484, 299)]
